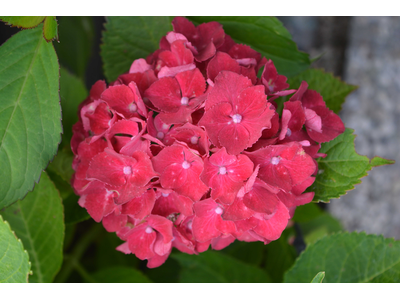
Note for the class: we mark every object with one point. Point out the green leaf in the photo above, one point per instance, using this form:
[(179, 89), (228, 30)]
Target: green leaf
[(62, 164), (212, 266), (318, 278), (24, 22), (342, 168), (30, 114), (72, 93), (76, 35), (119, 275), (50, 28), (280, 256), (74, 213), (38, 220), (349, 257), (308, 212), (319, 227), (241, 250), (168, 272), (14, 260), (266, 35), (128, 38), (60, 172), (107, 255), (332, 89)]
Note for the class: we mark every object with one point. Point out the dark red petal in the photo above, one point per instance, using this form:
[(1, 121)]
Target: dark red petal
[(204, 228), (192, 83), (97, 89), (215, 119), (227, 88), (235, 138), (165, 94), (332, 125), (237, 211), (113, 222), (141, 242), (261, 199), (222, 242), (221, 62), (108, 167), (272, 229)]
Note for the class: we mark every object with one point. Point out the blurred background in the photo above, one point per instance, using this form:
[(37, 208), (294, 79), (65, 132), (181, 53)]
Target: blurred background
[(363, 51)]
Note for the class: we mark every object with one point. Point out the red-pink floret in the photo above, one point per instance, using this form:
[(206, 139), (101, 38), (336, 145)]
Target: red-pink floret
[(187, 150)]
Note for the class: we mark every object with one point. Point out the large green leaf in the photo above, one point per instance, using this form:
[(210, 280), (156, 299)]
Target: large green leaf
[(342, 168), (241, 250), (349, 257), (119, 274), (308, 212), (128, 38), (168, 272), (72, 93), (212, 266), (24, 22), (266, 35), (332, 89), (107, 256), (280, 256), (30, 114), (319, 227), (38, 221), (14, 260), (75, 48)]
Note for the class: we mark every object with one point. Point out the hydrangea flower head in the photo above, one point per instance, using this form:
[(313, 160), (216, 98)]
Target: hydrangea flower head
[(187, 150)]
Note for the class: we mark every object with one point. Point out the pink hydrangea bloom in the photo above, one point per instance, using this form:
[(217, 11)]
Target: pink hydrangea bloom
[(187, 149)]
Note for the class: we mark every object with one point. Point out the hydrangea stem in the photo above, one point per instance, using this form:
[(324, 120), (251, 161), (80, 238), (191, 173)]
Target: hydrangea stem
[(72, 261)]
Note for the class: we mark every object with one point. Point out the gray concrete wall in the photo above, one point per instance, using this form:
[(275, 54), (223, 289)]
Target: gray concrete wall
[(364, 51)]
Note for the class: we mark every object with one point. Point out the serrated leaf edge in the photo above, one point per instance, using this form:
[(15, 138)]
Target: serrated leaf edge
[(22, 247), (365, 174), (58, 145), (18, 26), (344, 233)]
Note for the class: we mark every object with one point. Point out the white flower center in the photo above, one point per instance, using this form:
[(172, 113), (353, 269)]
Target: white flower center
[(288, 132), (165, 194), (132, 107), (165, 126), (189, 225), (194, 139), (222, 170), (218, 210), (149, 229), (185, 165), (184, 100), (237, 118), (127, 170), (160, 135), (275, 160)]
